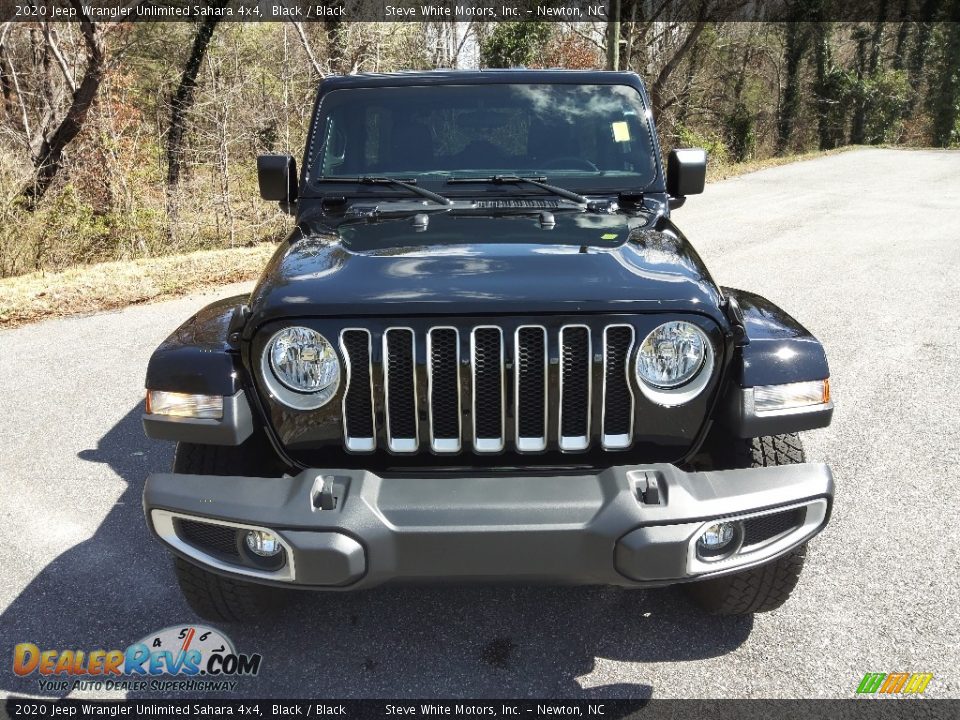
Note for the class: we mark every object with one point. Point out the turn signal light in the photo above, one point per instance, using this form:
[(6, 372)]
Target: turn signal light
[(175, 404), (767, 398)]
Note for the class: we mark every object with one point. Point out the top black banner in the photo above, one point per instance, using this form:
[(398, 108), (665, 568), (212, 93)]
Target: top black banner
[(112, 11)]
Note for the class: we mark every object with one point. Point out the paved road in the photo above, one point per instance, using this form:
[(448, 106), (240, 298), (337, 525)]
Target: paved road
[(863, 247)]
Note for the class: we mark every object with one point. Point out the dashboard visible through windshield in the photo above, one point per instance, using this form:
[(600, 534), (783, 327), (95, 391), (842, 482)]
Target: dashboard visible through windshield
[(589, 137)]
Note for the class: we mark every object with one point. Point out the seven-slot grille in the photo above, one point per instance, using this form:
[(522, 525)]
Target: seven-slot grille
[(487, 390)]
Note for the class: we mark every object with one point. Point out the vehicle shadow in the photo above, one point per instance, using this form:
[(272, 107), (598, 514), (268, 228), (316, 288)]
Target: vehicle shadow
[(397, 641)]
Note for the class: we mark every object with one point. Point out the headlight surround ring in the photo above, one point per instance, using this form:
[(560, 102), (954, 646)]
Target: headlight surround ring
[(687, 385), (301, 352)]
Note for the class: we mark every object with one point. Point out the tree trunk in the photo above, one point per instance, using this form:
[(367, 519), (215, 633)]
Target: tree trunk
[(6, 83), (945, 87), (824, 97), (796, 45), (876, 42), (691, 74), (659, 85), (858, 126), (49, 159), (183, 99), (918, 54), (903, 33)]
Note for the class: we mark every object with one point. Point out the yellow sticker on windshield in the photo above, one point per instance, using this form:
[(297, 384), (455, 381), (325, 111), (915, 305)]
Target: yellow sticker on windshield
[(621, 131), (608, 236)]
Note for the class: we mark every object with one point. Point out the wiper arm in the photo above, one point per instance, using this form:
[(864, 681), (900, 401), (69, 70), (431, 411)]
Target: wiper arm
[(516, 180), (408, 185)]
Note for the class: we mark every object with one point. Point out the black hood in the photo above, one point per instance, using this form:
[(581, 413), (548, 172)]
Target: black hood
[(469, 264)]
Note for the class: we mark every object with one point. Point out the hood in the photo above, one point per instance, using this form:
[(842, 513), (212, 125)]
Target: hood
[(467, 264)]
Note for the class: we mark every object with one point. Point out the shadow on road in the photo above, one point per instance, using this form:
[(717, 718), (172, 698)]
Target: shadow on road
[(398, 641)]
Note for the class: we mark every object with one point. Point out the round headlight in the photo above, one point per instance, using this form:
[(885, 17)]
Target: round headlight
[(671, 355), (303, 361)]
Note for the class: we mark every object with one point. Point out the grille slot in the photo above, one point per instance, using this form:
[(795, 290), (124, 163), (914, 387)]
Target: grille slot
[(530, 390), (443, 376), (400, 389), (617, 395), (486, 349), (760, 529), (358, 420), (218, 540), (575, 387)]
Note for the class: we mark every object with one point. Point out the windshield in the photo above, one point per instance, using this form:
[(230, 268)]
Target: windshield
[(586, 137)]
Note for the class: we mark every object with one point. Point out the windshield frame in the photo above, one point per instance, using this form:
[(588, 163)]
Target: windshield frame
[(585, 184)]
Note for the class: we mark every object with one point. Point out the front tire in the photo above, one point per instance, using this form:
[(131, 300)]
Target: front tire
[(766, 587), (212, 596), (222, 599)]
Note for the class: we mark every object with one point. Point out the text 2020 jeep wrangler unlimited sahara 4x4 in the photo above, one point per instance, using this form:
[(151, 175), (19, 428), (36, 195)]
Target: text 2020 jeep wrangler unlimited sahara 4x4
[(486, 352)]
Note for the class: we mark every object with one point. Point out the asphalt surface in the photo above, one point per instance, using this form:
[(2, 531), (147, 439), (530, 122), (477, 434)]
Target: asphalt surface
[(862, 247)]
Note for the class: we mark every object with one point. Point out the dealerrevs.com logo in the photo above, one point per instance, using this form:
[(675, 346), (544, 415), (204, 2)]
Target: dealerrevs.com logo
[(178, 658)]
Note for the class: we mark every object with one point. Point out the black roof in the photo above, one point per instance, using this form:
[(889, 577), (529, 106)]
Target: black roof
[(481, 77)]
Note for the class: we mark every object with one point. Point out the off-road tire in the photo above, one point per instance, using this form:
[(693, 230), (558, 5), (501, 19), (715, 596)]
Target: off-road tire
[(222, 599), (211, 596), (766, 587)]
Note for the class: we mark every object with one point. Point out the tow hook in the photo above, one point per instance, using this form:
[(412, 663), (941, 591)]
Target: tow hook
[(647, 486)]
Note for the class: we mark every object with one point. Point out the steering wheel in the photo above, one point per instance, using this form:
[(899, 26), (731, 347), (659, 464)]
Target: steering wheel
[(569, 162)]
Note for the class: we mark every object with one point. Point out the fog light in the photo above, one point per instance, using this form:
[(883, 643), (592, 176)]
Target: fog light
[(161, 402), (717, 537), (263, 543)]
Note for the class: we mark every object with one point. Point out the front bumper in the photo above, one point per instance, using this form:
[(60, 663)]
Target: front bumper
[(630, 526)]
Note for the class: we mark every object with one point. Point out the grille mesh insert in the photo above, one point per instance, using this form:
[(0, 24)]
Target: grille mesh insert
[(444, 390), (401, 398), (575, 379), (618, 403), (531, 382), (760, 529), (488, 383), (214, 539), (358, 408)]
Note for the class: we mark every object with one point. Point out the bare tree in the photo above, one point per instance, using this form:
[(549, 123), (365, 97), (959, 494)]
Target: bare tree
[(183, 98), (49, 157)]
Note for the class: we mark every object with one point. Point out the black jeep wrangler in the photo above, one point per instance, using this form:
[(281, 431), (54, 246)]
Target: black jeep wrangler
[(486, 353)]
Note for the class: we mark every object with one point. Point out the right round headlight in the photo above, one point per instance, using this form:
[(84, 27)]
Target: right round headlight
[(301, 368)]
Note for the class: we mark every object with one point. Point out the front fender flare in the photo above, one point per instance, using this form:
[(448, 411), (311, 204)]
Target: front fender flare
[(778, 351)]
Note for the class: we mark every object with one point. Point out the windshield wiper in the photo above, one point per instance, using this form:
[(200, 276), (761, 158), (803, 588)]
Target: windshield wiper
[(406, 184), (516, 180)]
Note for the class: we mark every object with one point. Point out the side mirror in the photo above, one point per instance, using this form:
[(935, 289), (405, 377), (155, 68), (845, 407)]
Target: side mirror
[(277, 176), (686, 174)]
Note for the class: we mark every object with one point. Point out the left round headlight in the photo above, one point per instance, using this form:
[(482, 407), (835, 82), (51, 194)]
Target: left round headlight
[(672, 355), (301, 368)]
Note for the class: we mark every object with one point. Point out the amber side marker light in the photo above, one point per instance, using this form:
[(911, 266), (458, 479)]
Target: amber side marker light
[(187, 405), (769, 398)]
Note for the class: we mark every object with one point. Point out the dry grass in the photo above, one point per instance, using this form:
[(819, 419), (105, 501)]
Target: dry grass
[(723, 171), (104, 286)]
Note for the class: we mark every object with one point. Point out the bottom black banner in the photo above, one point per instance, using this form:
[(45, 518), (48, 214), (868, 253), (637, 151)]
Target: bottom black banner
[(594, 708)]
